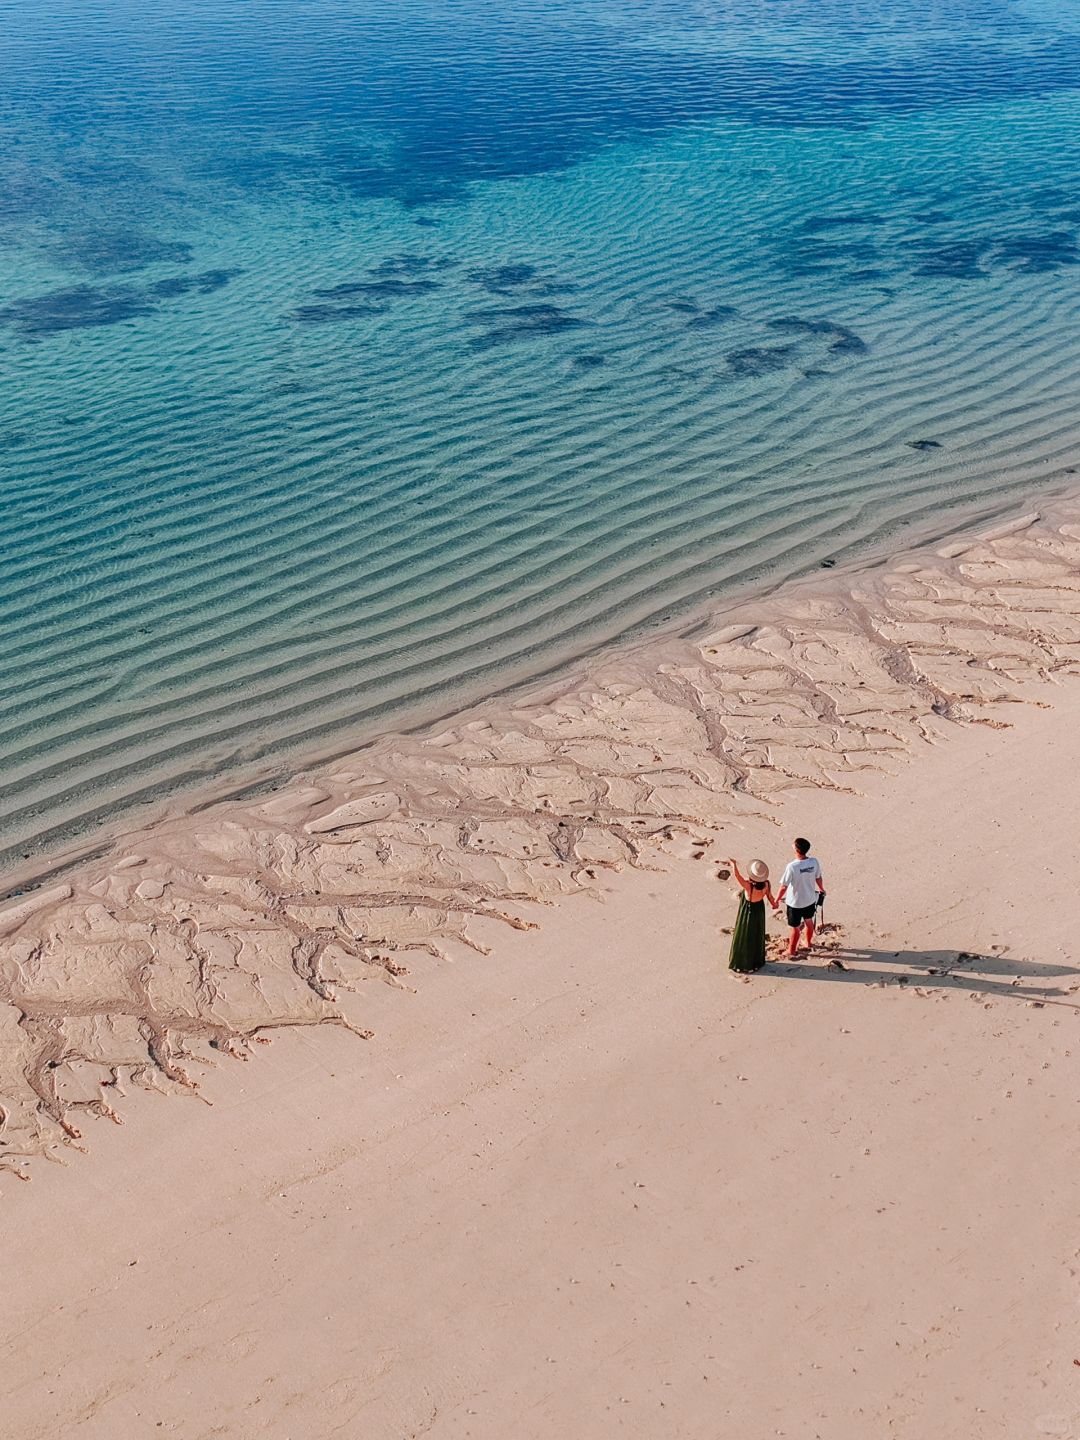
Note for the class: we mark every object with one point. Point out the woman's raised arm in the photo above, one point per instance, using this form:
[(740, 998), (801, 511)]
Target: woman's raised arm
[(739, 876)]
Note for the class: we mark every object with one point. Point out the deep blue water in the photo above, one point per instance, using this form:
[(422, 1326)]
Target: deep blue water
[(357, 358)]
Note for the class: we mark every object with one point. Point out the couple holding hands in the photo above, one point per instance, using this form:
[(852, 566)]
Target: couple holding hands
[(804, 890)]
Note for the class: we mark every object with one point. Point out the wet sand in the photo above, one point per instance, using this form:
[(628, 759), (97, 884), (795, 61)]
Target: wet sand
[(578, 1180)]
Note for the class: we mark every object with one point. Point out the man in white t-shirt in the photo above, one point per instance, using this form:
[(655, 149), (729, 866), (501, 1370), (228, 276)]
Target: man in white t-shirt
[(802, 884)]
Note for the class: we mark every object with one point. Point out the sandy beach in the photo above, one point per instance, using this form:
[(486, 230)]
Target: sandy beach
[(521, 1158)]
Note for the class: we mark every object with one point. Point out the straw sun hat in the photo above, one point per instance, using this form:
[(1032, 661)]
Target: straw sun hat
[(759, 870)]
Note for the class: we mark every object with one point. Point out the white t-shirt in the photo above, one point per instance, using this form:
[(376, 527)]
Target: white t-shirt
[(801, 877)]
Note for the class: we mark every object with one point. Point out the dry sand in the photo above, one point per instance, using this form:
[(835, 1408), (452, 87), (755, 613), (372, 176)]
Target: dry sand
[(580, 1181)]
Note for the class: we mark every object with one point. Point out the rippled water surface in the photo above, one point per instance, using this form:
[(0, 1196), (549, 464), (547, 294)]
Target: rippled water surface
[(356, 357)]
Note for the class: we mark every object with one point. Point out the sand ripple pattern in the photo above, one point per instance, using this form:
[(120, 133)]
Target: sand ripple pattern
[(200, 936)]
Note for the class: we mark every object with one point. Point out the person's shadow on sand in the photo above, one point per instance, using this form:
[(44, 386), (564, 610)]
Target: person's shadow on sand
[(993, 976)]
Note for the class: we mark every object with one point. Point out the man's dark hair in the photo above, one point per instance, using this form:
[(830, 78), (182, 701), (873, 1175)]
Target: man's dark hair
[(803, 846)]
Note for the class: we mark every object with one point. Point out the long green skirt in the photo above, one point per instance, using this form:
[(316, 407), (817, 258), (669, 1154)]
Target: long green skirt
[(748, 936)]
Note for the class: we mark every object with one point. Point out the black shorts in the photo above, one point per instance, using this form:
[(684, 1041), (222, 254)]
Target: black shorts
[(797, 916)]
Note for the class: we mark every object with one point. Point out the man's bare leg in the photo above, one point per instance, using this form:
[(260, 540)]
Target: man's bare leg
[(809, 926), (793, 943)]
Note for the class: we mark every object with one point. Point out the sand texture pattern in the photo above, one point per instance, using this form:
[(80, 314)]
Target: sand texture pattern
[(205, 933)]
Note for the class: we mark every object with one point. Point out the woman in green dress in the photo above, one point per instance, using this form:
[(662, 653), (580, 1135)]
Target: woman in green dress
[(748, 936)]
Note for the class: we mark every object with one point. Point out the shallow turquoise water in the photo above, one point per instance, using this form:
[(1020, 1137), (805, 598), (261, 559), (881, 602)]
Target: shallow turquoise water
[(358, 358)]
